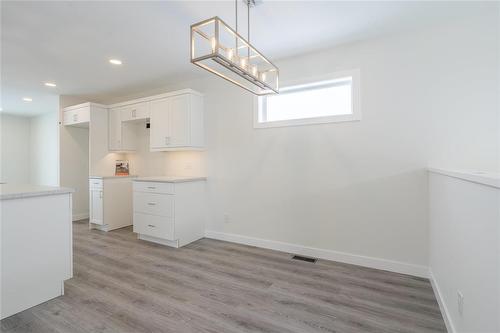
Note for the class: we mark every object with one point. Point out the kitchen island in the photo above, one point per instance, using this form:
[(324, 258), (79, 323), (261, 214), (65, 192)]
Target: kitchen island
[(36, 245)]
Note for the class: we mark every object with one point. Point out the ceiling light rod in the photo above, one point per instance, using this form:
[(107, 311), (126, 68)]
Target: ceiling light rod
[(248, 25), (248, 18), (216, 47), (248, 3)]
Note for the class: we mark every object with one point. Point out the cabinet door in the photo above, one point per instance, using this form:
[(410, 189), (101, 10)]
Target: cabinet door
[(83, 115), (127, 113), (135, 112), (96, 206), (77, 116), (160, 130), (179, 121), (69, 117), (141, 111), (129, 136), (115, 130)]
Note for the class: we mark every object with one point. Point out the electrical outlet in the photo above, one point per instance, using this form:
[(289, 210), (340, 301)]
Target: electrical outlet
[(460, 300), (226, 218)]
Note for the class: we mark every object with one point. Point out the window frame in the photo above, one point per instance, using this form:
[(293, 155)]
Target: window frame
[(307, 84)]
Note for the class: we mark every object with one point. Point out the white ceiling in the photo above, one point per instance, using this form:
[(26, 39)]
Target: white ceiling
[(70, 42)]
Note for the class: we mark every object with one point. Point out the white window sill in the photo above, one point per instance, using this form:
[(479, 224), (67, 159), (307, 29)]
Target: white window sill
[(307, 121)]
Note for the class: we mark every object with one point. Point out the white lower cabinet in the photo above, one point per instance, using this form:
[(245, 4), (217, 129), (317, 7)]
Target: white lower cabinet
[(110, 202), (96, 206), (154, 204), (153, 225), (169, 213)]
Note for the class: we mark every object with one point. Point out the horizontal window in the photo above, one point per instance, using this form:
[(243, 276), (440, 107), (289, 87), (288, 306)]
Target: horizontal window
[(333, 99)]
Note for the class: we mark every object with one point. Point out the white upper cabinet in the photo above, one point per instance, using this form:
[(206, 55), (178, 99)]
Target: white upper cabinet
[(115, 130), (175, 119), (159, 135), (122, 136), (78, 115), (177, 123), (135, 112), (179, 117)]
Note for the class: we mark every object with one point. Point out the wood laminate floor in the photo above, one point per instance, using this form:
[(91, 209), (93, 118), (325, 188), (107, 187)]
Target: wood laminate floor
[(122, 284)]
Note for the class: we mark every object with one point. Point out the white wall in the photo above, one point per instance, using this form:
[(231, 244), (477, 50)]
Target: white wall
[(465, 114), (30, 149), (44, 152), (15, 149), (356, 188), (101, 161), (74, 160), (83, 153), (464, 134), (145, 163), (464, 251), (74, 167)]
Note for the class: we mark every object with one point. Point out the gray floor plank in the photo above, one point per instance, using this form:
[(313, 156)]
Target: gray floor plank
[(122, 284)]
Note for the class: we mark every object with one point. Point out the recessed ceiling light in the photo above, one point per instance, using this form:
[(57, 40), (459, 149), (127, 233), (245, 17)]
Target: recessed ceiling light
[(50, 84), (27, 99), (115, 61)]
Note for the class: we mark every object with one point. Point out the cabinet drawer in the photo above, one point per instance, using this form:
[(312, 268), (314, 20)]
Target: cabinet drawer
[(152, 187), (154, 203), (156, 226), (95, 183)]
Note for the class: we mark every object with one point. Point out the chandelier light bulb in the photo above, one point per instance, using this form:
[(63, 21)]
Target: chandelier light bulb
[(213, 42), (254, 70), (243, 63)]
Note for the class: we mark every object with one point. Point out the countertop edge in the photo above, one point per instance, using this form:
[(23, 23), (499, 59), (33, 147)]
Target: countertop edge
[(159, 180), (43, 193), (112, 177)]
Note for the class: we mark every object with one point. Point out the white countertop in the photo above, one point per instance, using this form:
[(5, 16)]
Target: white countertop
[(485, 178), (108, 177), (170, 179), (18, 191)]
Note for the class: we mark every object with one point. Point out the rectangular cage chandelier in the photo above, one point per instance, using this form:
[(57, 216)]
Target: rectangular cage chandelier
[(219, 49)]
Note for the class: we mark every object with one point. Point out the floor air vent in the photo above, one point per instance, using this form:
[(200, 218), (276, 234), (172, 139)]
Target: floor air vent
[(301, 258)]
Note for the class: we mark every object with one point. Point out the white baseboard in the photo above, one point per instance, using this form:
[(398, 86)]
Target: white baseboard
[(442, 305), (349, 258), (81, 216)]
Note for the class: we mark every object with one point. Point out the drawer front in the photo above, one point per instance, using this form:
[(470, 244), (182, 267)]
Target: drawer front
[(152, 187), (95, 183), (156, 226), (154, 204)]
